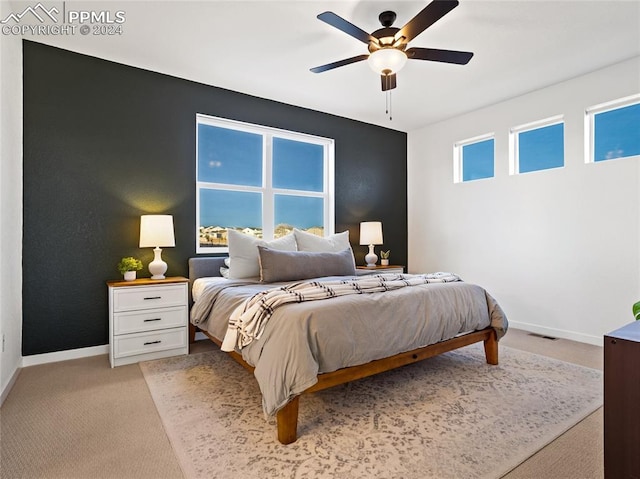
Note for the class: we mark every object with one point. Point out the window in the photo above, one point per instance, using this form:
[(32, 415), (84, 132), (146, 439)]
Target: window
[(474, 159), (612, 130), (537, 146), (261, 181)]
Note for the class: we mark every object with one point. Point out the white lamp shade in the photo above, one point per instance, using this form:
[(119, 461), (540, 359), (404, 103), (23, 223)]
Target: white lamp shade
[(156, 230), (390, 59), (371, 232)]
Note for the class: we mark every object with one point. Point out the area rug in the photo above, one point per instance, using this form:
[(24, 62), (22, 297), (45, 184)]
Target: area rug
[(451, 416)]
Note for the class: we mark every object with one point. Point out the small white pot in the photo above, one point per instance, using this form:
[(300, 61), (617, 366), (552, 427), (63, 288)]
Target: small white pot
[(384, 262), (129, 275)]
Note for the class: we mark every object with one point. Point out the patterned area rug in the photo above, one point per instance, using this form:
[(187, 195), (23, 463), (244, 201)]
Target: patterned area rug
[(451, 416)]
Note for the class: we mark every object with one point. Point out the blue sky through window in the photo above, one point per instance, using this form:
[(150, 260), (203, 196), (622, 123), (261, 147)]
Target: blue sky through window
[(478, 160), (297, 165), (617, 133), (229, 156), (230, 209), (303, 212), (541, 148)]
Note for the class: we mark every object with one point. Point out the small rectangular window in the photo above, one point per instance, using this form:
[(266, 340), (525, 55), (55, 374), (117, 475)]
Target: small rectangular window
[(537, 146), (474, 159), (612, 130)]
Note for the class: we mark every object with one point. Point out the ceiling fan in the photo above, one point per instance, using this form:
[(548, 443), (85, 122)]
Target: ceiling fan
[(387, 46)]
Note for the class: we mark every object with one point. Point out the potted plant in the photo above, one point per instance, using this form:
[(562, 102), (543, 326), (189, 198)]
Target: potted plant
[(636, 311), (128, 267), (385, 257)]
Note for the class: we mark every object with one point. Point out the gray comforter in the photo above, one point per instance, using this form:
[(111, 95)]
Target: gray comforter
[(304, 339)]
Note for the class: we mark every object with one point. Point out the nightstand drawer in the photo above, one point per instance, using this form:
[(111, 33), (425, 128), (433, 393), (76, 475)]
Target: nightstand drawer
[(127, 299), (142, 343), (149, 320)]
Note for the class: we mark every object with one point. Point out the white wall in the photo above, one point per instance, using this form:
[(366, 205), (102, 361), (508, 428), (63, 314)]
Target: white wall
[(559, 249), (10, 205)]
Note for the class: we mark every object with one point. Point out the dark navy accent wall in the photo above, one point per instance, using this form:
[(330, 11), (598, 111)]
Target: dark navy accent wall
[(105, 143)]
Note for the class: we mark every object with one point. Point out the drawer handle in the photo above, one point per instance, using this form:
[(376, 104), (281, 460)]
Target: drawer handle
[(154, 319), (152, 342), (153, 297)]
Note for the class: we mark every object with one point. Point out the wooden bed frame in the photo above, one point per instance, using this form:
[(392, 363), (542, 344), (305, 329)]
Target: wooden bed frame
[(287, 417)]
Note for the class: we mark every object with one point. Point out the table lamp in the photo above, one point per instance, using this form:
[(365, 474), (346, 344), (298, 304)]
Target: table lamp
[(371, 234), (157, 231)]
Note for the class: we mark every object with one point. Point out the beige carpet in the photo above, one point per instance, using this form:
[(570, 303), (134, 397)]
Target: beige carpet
[(449, 417), (80, 419)]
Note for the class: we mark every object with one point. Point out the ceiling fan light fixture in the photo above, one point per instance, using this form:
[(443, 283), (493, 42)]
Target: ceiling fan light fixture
[(390, 59)]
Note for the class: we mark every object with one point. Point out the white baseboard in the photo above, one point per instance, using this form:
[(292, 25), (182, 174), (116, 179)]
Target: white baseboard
[(54, 357), (64, 355), (9, 385), (559, 333)]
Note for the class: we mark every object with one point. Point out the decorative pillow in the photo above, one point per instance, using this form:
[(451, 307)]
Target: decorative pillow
[(224, 272), (227, 261), (292, 265), (243, 252), (330, 244)]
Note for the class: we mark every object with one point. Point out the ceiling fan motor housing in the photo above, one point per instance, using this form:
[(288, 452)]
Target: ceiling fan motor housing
[(386, 39)]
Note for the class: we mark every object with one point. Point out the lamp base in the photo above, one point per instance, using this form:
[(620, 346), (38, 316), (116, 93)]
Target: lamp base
[(371, 258), (157, 267)]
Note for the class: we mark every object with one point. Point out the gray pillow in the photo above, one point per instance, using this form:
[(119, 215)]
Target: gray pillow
[(278, 265), (244, 255)]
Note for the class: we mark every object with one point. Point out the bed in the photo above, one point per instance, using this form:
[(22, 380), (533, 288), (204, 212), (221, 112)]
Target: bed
[(309, 346)]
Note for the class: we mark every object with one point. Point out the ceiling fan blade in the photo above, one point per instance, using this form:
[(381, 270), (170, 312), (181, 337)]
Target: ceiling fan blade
[(434, 55), (425, 18), (388, 81), (340, 63), (347, 27)]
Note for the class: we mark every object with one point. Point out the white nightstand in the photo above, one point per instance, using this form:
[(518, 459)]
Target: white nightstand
[(362, 270), (148, 319)]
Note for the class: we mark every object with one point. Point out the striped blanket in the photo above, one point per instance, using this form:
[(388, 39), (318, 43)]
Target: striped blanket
[(247, 322)]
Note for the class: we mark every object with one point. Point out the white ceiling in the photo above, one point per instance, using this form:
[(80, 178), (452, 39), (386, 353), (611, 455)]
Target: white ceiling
[(265, 48)]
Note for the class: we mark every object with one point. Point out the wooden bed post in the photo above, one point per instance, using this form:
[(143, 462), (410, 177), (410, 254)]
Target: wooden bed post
[(287, 418), (192, 333), (491, 348)]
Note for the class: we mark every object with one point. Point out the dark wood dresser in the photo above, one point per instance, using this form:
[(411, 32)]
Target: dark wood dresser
[(622, 403)]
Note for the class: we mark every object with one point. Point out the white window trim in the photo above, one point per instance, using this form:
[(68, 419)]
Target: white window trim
[(589, 123), (266, 188), (514, 132), (458, 172)]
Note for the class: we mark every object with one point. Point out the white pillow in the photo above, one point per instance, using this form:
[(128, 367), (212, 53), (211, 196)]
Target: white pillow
[(317, 244), (243, 251)]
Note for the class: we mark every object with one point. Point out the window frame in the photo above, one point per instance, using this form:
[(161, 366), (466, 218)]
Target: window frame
[(514, 144), (458, 157), (589, 124), (266, 189)]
